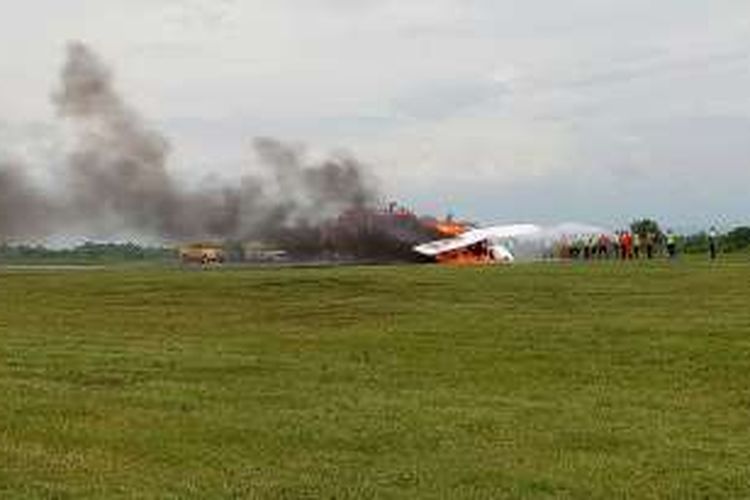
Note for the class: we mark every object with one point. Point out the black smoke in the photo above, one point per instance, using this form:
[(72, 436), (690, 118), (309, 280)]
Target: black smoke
[(24, 210), (117, 179)]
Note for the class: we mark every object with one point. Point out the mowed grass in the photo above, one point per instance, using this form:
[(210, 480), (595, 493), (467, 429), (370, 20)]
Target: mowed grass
[(532, 381)]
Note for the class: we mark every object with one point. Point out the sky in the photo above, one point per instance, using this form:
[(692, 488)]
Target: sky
[(496, 110)]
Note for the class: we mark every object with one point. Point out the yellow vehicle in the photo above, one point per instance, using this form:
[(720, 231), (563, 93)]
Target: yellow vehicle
[(202, 253)]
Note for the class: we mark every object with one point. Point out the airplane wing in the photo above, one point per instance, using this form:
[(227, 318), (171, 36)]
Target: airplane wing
[(474, 236), (437, 247)]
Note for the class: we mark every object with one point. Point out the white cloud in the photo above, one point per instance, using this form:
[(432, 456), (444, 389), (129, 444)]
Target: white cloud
[(554, 100)]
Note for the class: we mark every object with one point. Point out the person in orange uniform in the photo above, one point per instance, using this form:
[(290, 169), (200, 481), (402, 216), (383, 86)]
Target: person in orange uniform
[(626, 245)]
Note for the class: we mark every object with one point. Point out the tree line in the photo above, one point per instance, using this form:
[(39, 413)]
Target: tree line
[(86, 252), (735, 240)]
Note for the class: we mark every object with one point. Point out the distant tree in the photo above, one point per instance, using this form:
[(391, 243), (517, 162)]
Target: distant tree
[(695, 243), (86, 252), (736, 239), (642, 227)]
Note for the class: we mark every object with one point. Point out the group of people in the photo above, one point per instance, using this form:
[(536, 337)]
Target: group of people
[(623, 245), (628, 245)]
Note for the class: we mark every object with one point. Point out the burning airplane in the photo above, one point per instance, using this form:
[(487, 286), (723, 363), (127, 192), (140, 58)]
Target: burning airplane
[(505, 244)]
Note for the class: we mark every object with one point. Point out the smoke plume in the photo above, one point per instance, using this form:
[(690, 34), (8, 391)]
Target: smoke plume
[(117, 178), (118, 168), (24, 211)]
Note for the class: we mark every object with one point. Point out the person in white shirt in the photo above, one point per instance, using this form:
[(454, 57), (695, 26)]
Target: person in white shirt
[(712, 237)]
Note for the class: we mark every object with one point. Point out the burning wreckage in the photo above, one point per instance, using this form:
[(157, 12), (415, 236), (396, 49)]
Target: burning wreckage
[(357, 235), (399, 235)]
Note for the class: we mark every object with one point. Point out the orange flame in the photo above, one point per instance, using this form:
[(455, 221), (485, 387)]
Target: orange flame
[(477, 254), (450, 229)]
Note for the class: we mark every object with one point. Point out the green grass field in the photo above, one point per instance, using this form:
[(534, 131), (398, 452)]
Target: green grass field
[(533, 381)]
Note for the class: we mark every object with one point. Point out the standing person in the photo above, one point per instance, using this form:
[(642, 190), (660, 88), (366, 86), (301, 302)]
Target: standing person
[(627, 245), (636, 245), (586, 248), (575, 249), (564, 248), (650, 240), (712, 237), (603, 250), (671, 244), (616, 245)]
